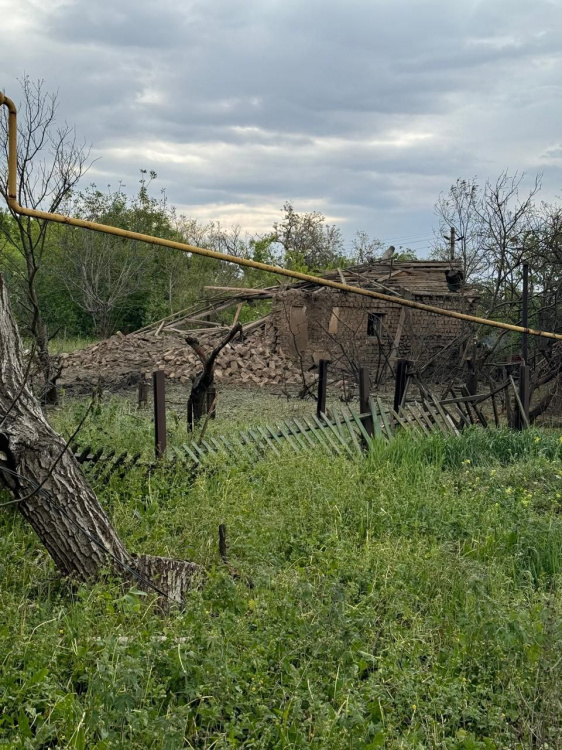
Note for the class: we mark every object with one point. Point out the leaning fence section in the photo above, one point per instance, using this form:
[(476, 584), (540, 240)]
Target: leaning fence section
[(340, 430)]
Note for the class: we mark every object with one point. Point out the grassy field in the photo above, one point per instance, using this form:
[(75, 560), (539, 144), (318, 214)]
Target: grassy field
[(410, 599)]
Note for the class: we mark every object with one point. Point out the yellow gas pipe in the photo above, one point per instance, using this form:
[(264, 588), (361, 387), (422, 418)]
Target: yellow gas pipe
[(95, 227)]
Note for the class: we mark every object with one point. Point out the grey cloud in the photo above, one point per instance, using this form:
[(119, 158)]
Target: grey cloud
[(269, 100)]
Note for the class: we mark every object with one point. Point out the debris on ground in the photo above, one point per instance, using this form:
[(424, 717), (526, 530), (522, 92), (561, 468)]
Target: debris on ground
[(254, 360)]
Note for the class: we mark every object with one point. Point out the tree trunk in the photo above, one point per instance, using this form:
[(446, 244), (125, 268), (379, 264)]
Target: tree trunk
[(199, 403), (38, 330), (66, 514)]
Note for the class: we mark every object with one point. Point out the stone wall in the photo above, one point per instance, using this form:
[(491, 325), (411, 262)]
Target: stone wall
[(345, 328)]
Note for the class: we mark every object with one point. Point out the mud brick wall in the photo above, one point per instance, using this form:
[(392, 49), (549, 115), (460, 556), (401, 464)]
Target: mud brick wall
[(333, 325)]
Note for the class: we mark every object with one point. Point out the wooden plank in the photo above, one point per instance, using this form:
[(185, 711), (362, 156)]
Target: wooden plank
[(352, 433), (84, 455), (519, 404), (242, 290), (338, 434), (467, 409), (365, 435), (131, 465), (417, 420), (305, 433), (248, 442), (200, 452), (463, 419), (394, 351), (337, 425), (433, 413), (232, 448), (470, 407), (288, 439), (218, 446), (275, 436), (209, 448), (237, 314), (327, 435), (295, 434), (423, 416), (446, 418), (319, 435), (258, 439), (101, 466), (386, 421), (376, 423), (190, 453), (403, 423), (119, 461), (268, 440), (525, 385)]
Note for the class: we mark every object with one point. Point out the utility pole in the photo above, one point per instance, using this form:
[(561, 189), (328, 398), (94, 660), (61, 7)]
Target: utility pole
[(451, 238), (524, 372), (525, 313)]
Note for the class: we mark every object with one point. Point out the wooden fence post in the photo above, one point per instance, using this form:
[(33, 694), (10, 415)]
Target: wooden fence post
[(142, 394), (364, 406), (158, 383), (401, 383), (472, 377), (322, 384), (211, 402)]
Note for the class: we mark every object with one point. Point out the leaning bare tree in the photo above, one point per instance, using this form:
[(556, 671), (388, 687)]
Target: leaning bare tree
[(197, 405), (50, 162), (52, 493)]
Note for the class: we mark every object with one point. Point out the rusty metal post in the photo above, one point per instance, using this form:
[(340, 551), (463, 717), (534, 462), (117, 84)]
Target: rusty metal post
[(524, 395), (158, 383), (142, 394), (401, 383), (472, 376), (525, 314), (364, 406), (322, 385)]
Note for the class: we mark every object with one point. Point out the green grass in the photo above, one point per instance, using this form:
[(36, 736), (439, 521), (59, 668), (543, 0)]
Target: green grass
[(407, 600), (65, 344)]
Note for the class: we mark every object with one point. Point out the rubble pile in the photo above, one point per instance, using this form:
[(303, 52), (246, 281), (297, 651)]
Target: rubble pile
[(124, 360)]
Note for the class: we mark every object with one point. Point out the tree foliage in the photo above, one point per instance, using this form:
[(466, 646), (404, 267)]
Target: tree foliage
[(51, 161)]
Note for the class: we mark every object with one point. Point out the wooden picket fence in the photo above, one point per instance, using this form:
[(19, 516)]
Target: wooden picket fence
[(342, 431), (103, 463)]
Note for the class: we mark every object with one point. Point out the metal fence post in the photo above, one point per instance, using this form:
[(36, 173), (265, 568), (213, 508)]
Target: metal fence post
[(524, 395), (401, 383), (364, 406), (142, 399), (158, 383), (322, 384)]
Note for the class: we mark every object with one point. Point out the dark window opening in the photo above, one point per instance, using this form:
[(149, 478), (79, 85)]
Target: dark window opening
[(454, 280), (374, 325)]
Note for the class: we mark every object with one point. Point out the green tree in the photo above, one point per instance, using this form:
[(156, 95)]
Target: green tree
[(51, 161), (308, 242)]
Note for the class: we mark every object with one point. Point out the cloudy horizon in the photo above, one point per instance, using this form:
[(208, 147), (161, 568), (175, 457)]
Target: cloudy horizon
[(365, 112)]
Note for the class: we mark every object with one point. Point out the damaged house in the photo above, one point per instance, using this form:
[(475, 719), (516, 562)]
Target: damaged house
[(313, 323)]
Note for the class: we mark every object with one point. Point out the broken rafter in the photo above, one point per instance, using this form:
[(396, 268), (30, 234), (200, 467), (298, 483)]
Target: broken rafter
[(245, 291)]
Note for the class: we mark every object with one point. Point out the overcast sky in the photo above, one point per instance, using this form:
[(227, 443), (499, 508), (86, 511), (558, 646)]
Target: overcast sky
[(364, 110)]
